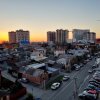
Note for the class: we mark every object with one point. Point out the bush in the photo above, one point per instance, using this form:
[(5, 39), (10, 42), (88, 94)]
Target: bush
[(29, 97), (15, 87), (5, 83)]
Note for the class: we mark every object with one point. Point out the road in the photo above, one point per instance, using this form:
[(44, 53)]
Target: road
[(66, 91)]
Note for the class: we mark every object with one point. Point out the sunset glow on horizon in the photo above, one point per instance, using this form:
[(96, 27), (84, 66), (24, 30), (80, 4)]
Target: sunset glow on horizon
[(33, 38), (40, 16)]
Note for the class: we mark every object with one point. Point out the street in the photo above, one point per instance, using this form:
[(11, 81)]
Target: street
[(66, 91)]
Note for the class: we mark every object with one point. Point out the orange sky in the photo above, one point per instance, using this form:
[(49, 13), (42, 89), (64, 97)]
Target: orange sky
[(33, 37)]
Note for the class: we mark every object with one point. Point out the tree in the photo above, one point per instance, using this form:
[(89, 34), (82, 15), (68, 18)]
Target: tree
[(29, 97)]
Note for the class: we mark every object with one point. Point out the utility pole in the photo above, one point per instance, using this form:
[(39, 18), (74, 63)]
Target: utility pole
[(45, 77), (32, 90), (0, 77), (75, 89), (26, 55), (44, 85)]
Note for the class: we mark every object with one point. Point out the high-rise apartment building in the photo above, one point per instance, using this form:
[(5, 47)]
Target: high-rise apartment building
[(61, 36), (51, 36), (78, 34), (22, 35), (19, 36), (89, 36), (12, 37)]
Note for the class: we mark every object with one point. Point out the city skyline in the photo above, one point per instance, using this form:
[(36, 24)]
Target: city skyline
[(48, 15)]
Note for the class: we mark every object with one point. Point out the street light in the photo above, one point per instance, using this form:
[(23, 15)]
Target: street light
[(0, 77), (75, 88), (44, 77), (32, 90)]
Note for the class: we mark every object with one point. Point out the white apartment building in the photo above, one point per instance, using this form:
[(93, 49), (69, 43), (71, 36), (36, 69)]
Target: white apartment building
[(78, 34), (61, 36), (90, 36)]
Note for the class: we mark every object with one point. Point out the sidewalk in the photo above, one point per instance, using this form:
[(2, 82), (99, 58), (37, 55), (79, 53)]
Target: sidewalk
[(8, 76)]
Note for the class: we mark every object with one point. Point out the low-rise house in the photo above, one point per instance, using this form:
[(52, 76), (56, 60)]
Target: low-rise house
[(37, 56), (59, 52), (78, 52), (52, 72), (10, 90), (37, 73), (41, 50), (66, 61), (50, 62)]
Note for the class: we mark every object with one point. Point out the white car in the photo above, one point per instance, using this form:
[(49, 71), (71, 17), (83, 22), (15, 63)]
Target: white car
[(23, 80), (66, 77), (90, 71), (77, 67), (56, 85)]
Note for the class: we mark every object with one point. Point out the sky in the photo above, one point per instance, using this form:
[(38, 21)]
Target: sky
[(40, 16)]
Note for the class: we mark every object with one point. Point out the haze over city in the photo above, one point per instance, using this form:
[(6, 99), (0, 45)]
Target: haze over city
[(40, 16)]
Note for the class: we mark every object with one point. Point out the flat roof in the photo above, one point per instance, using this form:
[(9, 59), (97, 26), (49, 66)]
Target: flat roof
[(52, 69), (36, 66)]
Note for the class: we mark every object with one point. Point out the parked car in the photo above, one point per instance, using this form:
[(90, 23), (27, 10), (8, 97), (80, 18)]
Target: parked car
[(66, 77), (90, 58), (87, 60), (92, 91), (81, 65), (38, 99), (77, 67), (85, 95), (95, 84), (55, 86), (93, 80), (97, 72), (94, 66), (74, 66), (84, 62), (97, 69), (90, 71), (88, 88), (23, 80), (92, 86), (97, 78), (96, 75)]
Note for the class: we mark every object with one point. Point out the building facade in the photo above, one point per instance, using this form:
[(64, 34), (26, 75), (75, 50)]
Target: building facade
[(22, 35), (12, 37), (89, 36), (78, 34), (18, 36), (51, 36), (61, 36)]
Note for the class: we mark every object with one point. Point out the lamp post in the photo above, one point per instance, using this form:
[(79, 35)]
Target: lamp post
[(44, 79), (0, 77), (75, 89), (32, 91)]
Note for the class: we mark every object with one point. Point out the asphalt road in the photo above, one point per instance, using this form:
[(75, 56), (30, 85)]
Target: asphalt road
[(66, 91)]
